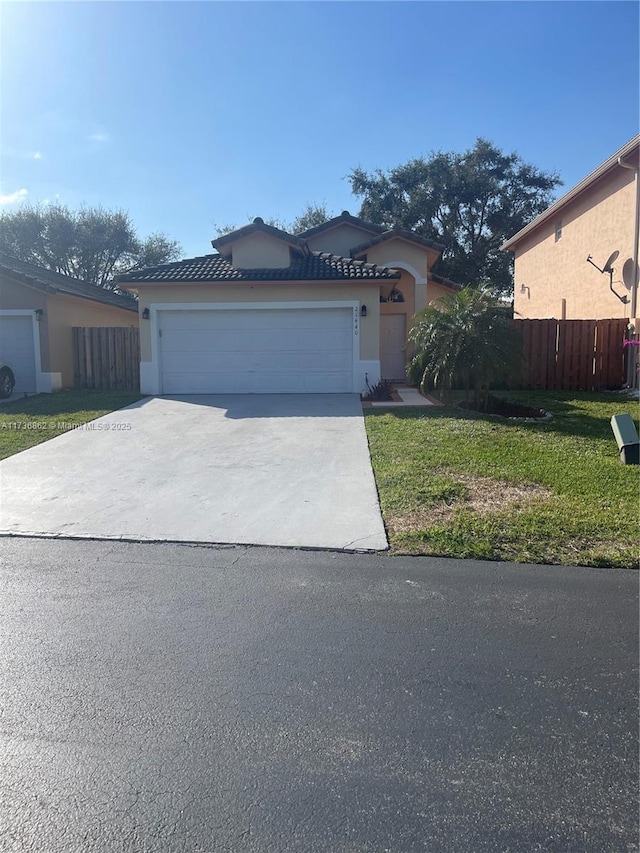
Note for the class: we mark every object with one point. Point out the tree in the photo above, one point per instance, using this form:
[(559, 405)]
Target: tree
[(92, 243), (466, 340), (470, 202), (312, 215)]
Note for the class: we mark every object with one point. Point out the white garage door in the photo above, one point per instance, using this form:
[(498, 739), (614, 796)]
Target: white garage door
[(256, 351), (17, 349)]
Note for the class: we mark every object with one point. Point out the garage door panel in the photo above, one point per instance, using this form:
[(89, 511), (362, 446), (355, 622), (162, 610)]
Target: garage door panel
[(17, 349), (257, 351), (252, 319), (202, 383)]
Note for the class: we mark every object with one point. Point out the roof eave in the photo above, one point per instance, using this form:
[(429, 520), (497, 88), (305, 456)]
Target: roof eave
[(345, 218), (108, 304), (573, 193), (29, 280), (391, 234)]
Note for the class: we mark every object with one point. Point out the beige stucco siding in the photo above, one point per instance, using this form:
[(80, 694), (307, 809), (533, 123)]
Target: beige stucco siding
[(260, 251), (339, 240), (396, 251), (595, 223), (64, 312), (367, 293)]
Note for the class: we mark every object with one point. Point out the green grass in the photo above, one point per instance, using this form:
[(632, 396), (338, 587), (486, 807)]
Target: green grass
[(32, 420), (465, 485)]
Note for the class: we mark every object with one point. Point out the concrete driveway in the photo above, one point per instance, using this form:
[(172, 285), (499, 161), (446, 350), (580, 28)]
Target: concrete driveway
[(290, 470)]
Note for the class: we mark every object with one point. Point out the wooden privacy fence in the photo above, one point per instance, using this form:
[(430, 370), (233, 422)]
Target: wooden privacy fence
[(573, 355), (106, 358)]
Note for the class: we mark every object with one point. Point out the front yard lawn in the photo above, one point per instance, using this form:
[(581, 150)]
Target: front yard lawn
[(458, 484), (32, 420)]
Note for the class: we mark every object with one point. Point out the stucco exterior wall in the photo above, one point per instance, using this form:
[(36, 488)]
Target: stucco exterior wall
[(339, 240), (406, 285), (260, 251), (395, 250), (62, 313), (558, 282), (435, 291), (15, 295), (367, 293)]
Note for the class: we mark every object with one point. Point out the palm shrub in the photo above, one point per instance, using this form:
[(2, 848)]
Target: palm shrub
[(465, 340)]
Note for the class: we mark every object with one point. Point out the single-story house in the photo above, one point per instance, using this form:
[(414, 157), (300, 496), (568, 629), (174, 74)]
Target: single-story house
[(324, 311), (38, 309), (599, 219)]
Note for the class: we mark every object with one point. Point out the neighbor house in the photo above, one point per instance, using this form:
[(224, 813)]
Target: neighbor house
[(598, 220), (38, 310), (324, 311)]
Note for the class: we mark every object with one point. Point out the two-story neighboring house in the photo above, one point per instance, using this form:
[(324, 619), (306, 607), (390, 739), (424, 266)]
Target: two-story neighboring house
[(595, 219)]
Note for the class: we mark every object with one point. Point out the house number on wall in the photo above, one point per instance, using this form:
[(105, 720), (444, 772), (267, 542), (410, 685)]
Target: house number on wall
[(356, 321)]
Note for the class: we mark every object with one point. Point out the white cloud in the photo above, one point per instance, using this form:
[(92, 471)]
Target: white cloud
[(20, 154), (12, 198), (100, 137)]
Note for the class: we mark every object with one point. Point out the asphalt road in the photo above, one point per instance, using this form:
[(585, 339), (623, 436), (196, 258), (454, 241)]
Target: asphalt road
[(175, 698)]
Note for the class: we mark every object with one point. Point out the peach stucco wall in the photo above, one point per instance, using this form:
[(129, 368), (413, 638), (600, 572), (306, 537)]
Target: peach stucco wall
[(63, 313), (367, 293), (435, 291), (596, 223), (408, 308)]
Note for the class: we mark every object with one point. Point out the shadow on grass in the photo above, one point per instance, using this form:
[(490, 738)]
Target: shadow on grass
[(568, 410)]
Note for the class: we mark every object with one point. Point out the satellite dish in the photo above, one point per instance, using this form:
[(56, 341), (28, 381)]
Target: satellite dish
[(612, 257)]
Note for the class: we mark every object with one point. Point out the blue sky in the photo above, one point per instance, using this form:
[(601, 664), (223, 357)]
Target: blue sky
[(189, 114)]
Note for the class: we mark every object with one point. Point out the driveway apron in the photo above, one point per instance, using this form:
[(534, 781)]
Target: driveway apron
[(289, 470)]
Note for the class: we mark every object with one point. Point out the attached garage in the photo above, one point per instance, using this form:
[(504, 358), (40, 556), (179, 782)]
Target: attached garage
[(264, 315), (38, 311), (248, 350), (18, 349)]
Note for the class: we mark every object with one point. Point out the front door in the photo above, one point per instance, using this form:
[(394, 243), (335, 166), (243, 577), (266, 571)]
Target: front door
[(393, 336)]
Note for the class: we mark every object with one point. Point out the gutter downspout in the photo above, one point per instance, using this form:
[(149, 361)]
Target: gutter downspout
[(634, 288)]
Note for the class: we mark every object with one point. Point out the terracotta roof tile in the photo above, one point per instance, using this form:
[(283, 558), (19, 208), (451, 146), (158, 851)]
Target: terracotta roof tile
[(316, 266)]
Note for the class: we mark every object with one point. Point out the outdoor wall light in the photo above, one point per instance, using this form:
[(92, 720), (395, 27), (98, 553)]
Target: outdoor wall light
[(39, 314), (363, 311), (145, 314)]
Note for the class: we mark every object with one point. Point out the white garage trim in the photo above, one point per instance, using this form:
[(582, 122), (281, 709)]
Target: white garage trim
[(45, 382), (151, 372)]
